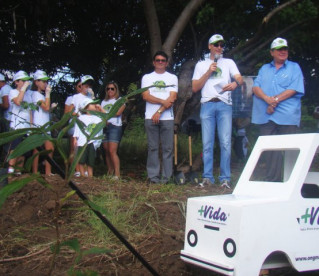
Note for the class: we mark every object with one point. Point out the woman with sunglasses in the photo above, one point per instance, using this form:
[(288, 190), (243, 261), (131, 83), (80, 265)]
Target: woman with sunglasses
[(113, 130), (41, 93), (68, 108)]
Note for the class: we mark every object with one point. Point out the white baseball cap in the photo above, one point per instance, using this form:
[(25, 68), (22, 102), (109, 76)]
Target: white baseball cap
[(41, 75), (86, 78), (21, 75), (215, 38), (2, 78), (278, 43), (86, 102)]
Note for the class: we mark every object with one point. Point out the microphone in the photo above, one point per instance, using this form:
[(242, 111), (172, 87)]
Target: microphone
[(217, 57)]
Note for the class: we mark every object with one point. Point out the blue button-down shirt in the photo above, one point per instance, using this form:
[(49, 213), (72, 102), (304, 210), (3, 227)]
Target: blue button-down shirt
[(273, 82)]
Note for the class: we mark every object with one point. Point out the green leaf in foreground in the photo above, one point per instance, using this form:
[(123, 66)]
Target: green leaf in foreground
[(28, 144)]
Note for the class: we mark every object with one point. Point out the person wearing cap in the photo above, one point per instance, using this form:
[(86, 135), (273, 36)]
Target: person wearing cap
[(277, 90), (216, 77), (86, 91), (41, 96), (20, 113), (113, 130), (68, 108), (90, 122), (159, 119)]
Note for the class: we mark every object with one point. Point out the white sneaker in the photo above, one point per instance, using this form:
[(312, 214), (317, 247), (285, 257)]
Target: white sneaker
[(226, 184), (86, 174), (205, 182), (77, 174)]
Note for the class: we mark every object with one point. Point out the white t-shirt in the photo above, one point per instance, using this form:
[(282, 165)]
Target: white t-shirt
[(77, 100), (226, 69), (40, 117), (107, 105), (4, 91), (68, 100), (21, 114), (161, 93), (90, 121)]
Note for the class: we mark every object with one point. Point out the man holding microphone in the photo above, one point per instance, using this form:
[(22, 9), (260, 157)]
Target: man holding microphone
[(216, 77)]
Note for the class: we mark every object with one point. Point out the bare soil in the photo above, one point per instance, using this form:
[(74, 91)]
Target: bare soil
[(27, 230)]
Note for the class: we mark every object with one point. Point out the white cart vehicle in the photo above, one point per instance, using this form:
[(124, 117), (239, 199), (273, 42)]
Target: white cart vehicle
[(261, 225)]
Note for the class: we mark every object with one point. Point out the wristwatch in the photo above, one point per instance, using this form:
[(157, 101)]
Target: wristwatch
[(159, 111)]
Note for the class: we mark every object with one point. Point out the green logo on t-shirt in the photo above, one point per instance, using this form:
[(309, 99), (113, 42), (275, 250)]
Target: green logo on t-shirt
[(90, 128), (107, 107)]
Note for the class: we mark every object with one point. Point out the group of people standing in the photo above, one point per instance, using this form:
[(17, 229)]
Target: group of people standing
[(29, 105), (277, 90)]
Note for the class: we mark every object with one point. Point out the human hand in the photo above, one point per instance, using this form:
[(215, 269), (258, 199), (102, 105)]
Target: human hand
[(271, 101), (270, 109), (99, 108), (167, 103), (90, 93), (156, 118), (54, 105), (25, 86), (230, 86), (48, 91), (213, 67)]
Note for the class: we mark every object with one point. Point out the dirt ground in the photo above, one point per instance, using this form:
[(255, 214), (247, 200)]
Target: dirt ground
[(27, 230)]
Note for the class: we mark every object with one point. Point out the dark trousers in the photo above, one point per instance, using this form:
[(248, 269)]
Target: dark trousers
[(274, 160)]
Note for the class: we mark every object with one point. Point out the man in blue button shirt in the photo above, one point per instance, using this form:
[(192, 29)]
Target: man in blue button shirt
[(277, 90)]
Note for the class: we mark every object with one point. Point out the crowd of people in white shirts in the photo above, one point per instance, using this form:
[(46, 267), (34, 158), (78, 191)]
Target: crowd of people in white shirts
[(29, 105)]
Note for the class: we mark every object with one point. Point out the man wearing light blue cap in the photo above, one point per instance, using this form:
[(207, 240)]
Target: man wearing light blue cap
[(277, 90)]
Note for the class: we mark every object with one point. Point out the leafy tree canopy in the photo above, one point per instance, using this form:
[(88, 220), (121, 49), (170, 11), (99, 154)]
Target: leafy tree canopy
[(109, 39)]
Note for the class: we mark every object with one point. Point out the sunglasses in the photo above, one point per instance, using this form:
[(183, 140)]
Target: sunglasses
[(219, 44), (110, 88), (282, 49), (160, 60)]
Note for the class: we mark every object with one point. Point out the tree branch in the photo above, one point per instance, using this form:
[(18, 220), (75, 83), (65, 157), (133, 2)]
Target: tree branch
[(153, 25), (179, 26), (264, 22)]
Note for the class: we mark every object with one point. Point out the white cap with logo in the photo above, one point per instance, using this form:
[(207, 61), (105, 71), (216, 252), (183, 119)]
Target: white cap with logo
[(86, 78), (278, 43), (41, 75), (215, 38), (21, 75)]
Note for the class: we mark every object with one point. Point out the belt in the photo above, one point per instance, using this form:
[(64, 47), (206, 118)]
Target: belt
[(214, 100)]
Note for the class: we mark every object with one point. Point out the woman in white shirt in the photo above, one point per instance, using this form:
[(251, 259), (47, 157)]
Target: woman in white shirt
[(113, 130), (20, 113), (68, 108), (41, 97)]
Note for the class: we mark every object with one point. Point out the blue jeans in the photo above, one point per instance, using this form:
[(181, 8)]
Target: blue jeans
[(220, 114)]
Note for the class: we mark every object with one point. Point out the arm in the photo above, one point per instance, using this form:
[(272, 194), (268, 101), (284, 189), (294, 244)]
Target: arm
[(17, 100), (120, 111), (197, 85), (157, 115), (260, 94), (233, 85), (5, 102), (45, 105), (68, 108)]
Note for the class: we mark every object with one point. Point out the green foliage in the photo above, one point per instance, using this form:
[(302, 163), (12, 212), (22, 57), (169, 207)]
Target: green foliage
[(204, 16), (75, 245)]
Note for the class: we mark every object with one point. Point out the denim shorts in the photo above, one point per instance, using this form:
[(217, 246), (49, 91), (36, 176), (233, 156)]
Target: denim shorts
[(112, 133)]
